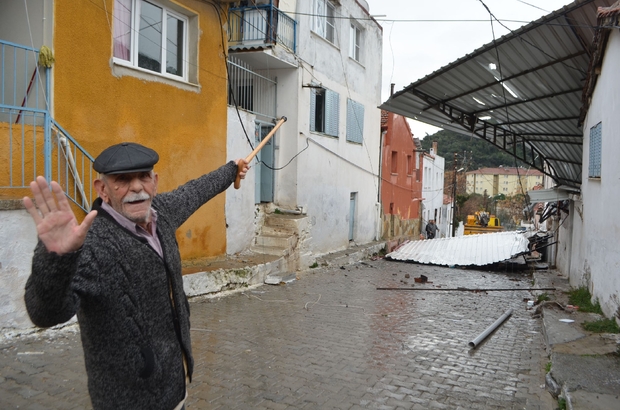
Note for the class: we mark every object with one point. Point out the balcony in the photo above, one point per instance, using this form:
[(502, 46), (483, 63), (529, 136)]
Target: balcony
[(263, 36)]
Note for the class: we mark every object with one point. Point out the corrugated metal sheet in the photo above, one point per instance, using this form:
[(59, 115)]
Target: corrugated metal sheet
[(544, 64), (468, 250)]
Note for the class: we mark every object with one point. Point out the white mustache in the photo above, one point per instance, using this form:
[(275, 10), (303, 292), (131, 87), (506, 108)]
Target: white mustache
[(142, 196)]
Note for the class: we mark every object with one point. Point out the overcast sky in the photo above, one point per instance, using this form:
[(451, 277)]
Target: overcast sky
[(413, 48)]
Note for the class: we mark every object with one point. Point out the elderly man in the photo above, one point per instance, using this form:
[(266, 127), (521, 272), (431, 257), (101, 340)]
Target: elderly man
[(120, 271)]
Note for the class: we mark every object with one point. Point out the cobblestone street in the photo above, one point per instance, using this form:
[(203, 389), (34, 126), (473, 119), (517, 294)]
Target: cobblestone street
[(330, 340)]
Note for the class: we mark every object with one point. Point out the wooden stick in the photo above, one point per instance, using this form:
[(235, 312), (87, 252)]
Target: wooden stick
[(256, 150)]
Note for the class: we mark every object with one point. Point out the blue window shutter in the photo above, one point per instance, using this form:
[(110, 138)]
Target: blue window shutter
[(596, 136), (312, 109), (332, 112), (355, 122)]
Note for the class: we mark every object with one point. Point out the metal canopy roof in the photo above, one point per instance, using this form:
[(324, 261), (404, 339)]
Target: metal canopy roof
[(522, 92)]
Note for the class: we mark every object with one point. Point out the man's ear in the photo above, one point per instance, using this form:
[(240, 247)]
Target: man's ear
[(100, 187), (156, 179)]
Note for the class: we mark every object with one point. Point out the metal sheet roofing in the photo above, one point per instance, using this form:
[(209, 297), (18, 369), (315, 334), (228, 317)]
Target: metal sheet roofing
[(522, 92), (468, 250)]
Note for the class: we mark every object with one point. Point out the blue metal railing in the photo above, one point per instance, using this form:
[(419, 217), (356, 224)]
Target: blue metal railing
[(261, 25), (72, 167), (31, 142)]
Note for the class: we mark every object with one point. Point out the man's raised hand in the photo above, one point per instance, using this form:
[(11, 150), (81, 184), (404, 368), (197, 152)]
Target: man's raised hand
[(56, 224)]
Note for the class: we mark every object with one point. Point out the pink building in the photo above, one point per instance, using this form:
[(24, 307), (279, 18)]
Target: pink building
[(401, 179)]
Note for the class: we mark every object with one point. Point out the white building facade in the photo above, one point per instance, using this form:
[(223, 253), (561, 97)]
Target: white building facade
[(433, 207), (590, 233), (326, 155)]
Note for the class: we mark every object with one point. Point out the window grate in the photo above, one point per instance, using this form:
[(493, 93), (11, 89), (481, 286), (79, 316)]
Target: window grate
[(596, 135)]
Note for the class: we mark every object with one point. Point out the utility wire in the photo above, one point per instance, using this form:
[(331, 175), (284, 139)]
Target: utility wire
[(499, 66)]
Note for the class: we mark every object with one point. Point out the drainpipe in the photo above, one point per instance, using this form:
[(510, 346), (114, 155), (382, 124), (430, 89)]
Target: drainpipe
[(47, 144), (379, 205)]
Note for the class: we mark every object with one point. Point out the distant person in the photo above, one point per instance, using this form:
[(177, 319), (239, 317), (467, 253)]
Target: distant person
[(431, 229), (120, 271)]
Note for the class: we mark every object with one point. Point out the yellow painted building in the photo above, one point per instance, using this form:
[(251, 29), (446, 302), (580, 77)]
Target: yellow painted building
[(124, 70), (502, 180)]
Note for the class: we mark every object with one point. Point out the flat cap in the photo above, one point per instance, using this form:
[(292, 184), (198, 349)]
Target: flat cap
[(124, 158)]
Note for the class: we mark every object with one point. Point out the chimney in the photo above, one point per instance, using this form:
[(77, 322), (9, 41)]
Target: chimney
[(434, 149), (392, 89)]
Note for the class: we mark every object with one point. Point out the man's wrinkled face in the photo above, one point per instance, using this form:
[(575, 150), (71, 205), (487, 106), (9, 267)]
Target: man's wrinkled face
[(129, 194)]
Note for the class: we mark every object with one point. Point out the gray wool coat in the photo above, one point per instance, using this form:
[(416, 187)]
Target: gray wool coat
[(133, 334)]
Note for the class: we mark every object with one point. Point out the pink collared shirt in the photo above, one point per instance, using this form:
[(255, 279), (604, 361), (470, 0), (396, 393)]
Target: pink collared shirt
[(151, 237)]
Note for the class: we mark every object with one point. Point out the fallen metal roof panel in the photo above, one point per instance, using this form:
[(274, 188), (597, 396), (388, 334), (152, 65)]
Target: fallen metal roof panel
[(522, 92), (479, 250), (548, 195)]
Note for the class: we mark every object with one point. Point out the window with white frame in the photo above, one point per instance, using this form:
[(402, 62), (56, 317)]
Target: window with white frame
[(152, 36), (324, 111), (355, 121), (355, 42), (324, 23), (596, 136)]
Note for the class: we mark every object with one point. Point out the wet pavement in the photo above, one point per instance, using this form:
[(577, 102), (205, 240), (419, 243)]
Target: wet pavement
[(330, 340)]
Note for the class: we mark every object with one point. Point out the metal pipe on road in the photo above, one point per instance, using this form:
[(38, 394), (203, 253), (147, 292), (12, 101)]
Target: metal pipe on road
[(474, 343)]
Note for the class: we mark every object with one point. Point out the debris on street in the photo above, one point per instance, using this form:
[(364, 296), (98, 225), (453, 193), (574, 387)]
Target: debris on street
[(474, 343)]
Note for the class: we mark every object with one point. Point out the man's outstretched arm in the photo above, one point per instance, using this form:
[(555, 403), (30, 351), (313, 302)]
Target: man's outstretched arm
[(186, 199)]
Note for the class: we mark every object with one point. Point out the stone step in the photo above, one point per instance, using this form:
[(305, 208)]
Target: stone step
[(280, 241), (277, 231), (284, 221), (269, 250)]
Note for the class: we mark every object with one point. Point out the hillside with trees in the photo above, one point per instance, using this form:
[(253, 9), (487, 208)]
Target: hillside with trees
[(473, 153)]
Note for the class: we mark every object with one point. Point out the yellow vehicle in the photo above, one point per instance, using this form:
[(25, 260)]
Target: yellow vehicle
[(482, 222)]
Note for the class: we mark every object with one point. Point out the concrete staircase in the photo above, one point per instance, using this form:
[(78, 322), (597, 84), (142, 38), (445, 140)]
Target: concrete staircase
[(282, 235), (278, 235)]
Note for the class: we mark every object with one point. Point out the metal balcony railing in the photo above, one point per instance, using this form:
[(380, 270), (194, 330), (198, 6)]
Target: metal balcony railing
[(32, 143), (261, 25)]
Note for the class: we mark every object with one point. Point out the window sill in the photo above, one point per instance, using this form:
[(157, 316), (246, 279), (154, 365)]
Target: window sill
[(317, 35), (322, 134), (119, 69), (357, 62)]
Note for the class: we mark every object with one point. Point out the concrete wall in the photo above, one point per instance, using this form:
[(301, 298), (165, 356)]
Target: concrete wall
[(595, 256), (289, 141), (14, 26), (18, 237), (240, 208), (394, 227)]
